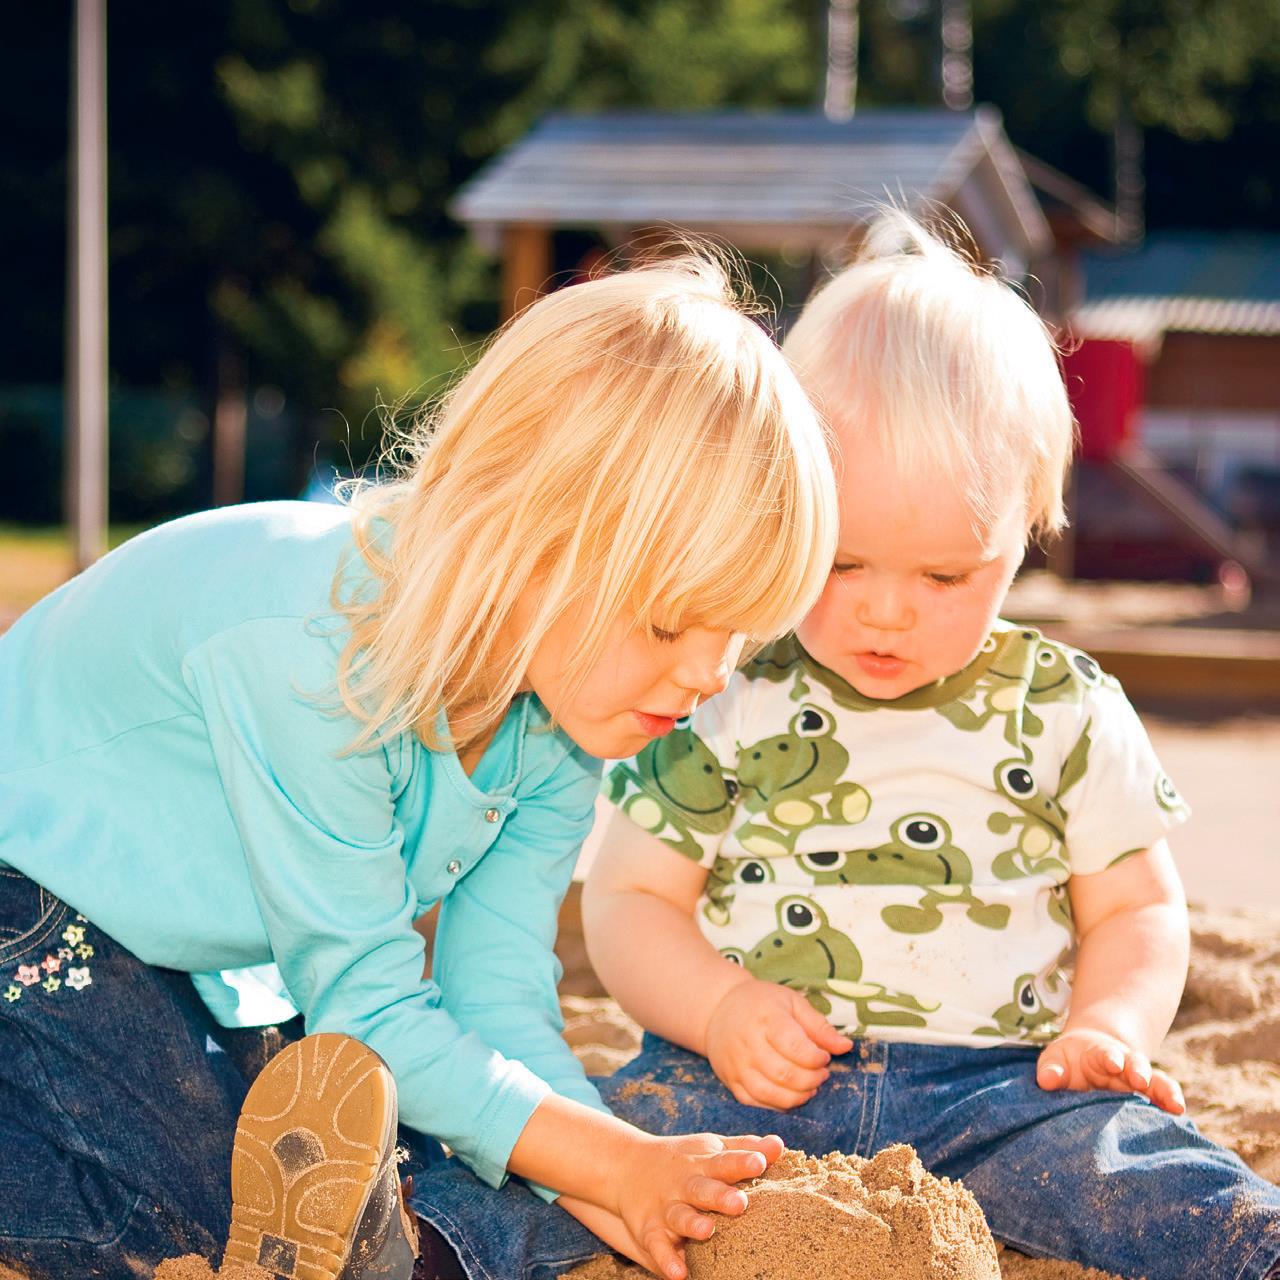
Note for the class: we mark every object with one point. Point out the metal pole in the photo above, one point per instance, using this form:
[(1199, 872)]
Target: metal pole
[(87, 287), (842, 59)]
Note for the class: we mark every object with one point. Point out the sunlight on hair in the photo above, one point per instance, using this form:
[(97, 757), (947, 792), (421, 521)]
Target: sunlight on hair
[(634, 443), (941, 365)]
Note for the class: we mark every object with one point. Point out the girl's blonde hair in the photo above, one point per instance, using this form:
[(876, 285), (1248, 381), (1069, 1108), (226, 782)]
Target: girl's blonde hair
[(633, 444), (938, 363)]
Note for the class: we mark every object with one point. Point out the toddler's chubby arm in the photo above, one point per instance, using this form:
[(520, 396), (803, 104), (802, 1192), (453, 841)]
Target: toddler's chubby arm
[(1131, 965), (765, 1042)]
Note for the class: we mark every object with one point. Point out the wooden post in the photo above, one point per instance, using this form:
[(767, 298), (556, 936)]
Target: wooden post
[(87, 287), (526, 265)]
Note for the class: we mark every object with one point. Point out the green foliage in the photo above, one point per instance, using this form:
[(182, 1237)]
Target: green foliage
[(1178, 63), (280, 169)]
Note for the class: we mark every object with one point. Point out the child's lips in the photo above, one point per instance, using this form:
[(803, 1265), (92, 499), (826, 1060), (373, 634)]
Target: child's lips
[(882, 666), (655, 726)]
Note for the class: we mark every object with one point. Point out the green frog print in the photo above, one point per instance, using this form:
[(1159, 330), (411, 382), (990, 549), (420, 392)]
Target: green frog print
[(1012, 685), (1026, 1016), (919, 852), (1060, 908), (1041, 829), (807, 954), (682, 791), (723, 880), (793, 781)]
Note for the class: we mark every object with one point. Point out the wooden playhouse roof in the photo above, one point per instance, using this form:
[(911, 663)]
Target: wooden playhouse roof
[(762, 179)]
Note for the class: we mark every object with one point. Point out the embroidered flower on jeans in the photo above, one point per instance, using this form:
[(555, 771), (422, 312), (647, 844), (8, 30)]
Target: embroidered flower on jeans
[(85, 951), (74, 934), (78, 979), (13, 993), (28, 974), (65, 953), (51, 984), (51, 964)]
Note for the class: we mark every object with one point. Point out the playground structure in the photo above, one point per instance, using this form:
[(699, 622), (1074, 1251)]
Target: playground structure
[(802, 186)]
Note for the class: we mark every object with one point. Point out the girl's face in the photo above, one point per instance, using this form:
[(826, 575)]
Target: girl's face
[(641, 685), (915, 588)]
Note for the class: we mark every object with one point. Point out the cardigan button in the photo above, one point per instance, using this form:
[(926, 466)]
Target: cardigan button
[(491, 815), (453, 867)]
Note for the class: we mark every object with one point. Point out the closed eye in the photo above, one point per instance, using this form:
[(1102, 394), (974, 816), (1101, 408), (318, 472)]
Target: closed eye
[(852, 567), (948, 579), (666, 637)]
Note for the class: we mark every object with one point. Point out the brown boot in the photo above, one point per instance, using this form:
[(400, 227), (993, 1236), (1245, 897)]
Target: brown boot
[(314, 1189)]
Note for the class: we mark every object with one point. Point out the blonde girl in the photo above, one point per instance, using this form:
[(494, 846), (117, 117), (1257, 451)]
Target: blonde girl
[(280, 733)]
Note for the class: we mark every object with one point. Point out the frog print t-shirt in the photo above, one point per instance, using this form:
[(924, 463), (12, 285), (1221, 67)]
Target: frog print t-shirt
[(904, 863)]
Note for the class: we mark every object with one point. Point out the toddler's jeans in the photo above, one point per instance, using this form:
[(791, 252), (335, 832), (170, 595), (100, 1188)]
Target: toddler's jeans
[(1105, 1179)]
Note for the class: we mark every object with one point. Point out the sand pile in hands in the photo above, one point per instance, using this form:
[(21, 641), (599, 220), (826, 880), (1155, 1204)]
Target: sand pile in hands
[(843, 1215)]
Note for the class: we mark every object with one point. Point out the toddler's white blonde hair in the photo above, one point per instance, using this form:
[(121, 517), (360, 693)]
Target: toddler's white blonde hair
[(940, 365), (634, 445)]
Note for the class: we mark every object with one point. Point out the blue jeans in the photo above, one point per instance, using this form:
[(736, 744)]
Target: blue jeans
[(1100, 1178), (119, 1097)]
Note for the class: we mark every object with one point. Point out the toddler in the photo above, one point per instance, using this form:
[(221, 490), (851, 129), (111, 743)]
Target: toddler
[(906, 880)]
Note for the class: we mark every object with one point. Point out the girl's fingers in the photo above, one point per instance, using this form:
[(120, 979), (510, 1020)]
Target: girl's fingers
[(770, 1146), (817, 1028), (713, 1196), (660, 1245), (685, 1220), (730, 1167)]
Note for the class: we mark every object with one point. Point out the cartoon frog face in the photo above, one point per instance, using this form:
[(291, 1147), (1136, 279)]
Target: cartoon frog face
[(919, 851), (1054, 670), (804, 950), (680, 767), (806, 760), (1026, 1015), (724, 878), (1014, 779)]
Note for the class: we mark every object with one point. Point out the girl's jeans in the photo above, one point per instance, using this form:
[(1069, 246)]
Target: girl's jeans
[(119, 1097)]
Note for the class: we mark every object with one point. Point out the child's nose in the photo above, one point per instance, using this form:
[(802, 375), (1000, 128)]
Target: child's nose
[(707, 668), (884, 605)]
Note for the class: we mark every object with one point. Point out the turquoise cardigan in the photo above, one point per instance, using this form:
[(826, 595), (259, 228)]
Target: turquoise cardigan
[(171, 765)]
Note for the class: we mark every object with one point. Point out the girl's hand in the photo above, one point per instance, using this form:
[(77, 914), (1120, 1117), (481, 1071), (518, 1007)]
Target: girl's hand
[(769, 1046), (1087, 1059), (667, 1187)]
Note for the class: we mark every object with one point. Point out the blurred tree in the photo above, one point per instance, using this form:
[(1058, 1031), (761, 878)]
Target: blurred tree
[(279, 169)]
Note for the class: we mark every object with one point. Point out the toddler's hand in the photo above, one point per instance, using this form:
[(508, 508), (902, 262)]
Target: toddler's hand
[(1088, 1059), (668, 1186), (769, 1046)]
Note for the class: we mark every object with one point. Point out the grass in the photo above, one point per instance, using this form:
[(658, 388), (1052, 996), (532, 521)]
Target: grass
[(33, 561)]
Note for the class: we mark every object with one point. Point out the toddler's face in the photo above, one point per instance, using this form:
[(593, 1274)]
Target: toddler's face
[(641, 685), (915, 589)]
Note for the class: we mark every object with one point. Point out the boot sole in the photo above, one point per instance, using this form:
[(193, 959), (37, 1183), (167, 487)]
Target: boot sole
[(315, 1134)]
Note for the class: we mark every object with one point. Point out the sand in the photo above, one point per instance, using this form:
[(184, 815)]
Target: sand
[(196, 1268), (887, 1217)]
